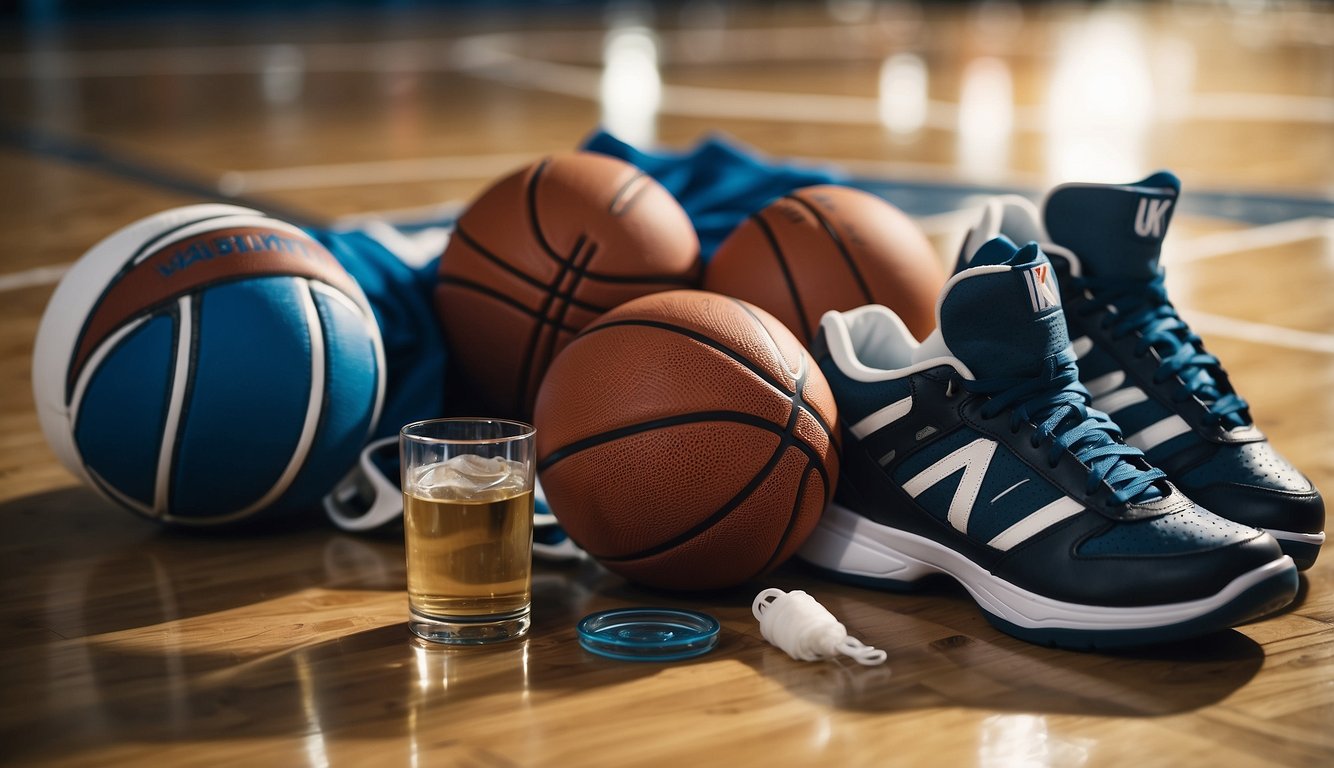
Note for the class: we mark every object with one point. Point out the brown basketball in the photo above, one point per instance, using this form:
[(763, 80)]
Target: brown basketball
[(830, 247), (687, 440), (541, 253)]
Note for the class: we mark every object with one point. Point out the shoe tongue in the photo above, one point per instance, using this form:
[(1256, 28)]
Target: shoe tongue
[(1002, 316), (1114, 230)]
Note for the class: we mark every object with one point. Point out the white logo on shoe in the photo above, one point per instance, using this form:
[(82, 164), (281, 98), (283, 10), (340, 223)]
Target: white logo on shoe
[(1041, 287), (1149, 217), (974, 459)]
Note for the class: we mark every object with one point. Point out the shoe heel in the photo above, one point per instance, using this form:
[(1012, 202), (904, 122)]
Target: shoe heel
[(848, 547)]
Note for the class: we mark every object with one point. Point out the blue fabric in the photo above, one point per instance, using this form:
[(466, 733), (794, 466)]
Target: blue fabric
[(718, 182), (251, 386), (414, 347), (119, 426)]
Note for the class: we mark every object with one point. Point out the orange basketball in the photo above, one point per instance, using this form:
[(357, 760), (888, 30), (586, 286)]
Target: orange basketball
[(830, 247), (541, 253), (687, 440)]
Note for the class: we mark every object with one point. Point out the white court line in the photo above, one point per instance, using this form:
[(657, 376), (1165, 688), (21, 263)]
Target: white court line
[(370, 173), (489, 166), (1252, 239), (30, 278), (1259, 107), (449, 210), (1260, 333), (486, 56)]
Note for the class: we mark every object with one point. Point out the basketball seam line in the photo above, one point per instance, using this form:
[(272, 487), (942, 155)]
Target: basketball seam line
[(460, 282), (531, 194), (778, 353), (559, 316), (125, 269), (839, 244), (697, 336), (786, 439), (769, 235), (711, 343), (792, 518), (196, 313), (175, 314), (625, 188), (472, 243), (198, 290), (696, 417), (526, 370), (797, 400), (77, 406)]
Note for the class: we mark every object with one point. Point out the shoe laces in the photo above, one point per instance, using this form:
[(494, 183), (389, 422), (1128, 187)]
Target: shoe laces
[(1134, 306), (1056, 405)]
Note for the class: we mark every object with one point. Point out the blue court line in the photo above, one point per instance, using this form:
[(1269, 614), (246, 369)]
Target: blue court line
[(91, 155)]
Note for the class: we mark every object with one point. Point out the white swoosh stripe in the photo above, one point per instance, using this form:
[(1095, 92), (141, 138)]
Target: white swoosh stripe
[(1156, 434), (1035, 523), (882, 418), (1120, 399), (1104, 384)]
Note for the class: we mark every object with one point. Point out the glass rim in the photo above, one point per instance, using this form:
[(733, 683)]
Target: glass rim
[(526, 431)]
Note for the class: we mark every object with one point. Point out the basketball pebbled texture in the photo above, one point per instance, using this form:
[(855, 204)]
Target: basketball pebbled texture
[(687, 440), (544, 251), (828, 248), (208, 364)]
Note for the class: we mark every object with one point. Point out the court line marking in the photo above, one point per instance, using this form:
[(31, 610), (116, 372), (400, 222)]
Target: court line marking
[(787, 107), (373, 172), (486, 56), (32, 278), (946, 222), (89, 153), (457, 167), (1260, 333), (1252, 239)]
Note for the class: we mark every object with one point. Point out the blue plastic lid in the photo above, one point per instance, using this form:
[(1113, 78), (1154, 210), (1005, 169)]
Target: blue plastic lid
[(648, 634)]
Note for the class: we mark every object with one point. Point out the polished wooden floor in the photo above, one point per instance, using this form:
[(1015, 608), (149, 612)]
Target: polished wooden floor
[(123, 644)]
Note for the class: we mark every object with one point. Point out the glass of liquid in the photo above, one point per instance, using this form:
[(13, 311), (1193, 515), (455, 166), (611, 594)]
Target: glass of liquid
[(468, 525)]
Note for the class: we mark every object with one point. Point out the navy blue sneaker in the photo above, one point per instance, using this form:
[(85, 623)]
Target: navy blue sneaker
[(1144, 366), (975, 455)]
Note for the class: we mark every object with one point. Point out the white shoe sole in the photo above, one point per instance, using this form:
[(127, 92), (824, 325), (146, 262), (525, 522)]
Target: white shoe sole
[(864, 551)]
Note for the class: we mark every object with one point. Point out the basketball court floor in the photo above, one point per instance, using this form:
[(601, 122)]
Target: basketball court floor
[(126, 644)]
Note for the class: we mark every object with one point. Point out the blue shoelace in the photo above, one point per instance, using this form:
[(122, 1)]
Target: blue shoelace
[(1057, 405), (1143, 308)]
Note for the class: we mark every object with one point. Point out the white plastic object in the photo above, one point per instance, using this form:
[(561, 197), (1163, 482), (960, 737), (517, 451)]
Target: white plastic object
[(806, 630)]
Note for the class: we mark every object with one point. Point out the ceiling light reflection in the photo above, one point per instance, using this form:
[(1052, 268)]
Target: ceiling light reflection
[(986, 119), (631, 87), (903, 94), (1100, 101)]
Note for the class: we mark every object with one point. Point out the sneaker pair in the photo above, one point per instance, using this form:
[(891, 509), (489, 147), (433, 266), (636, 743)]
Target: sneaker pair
[(976, 454)]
